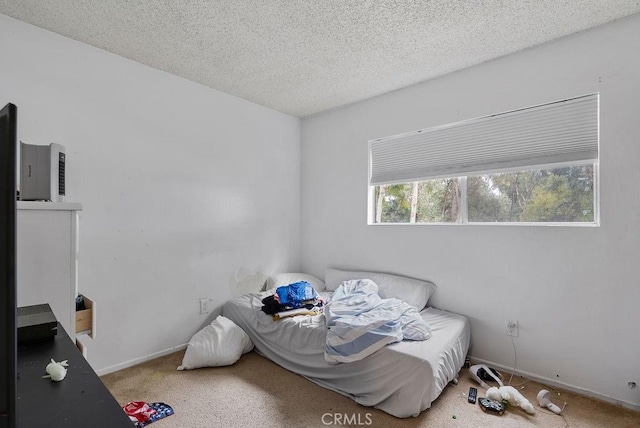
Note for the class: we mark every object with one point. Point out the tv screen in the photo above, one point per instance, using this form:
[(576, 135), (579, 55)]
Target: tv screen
[(8, 346)]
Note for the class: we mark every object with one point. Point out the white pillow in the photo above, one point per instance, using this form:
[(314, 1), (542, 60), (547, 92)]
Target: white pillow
[(219, 344), (413, 291), (281, 279)]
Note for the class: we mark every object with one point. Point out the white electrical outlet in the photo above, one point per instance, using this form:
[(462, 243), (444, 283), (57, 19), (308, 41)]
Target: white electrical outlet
[(205, 306), (512, 328)]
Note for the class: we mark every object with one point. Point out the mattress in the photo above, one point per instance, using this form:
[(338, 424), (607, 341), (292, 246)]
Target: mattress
[(402, 379)]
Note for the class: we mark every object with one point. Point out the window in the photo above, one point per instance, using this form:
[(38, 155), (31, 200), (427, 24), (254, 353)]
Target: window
[(530, 166)]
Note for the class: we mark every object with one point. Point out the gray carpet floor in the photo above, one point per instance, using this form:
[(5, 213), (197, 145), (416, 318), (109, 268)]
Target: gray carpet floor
[(255, 392)]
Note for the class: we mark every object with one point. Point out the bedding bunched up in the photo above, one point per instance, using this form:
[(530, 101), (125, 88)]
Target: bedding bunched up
[(360, 322)]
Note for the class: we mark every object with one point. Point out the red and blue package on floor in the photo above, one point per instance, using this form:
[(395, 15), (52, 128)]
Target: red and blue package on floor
[(142, 414)]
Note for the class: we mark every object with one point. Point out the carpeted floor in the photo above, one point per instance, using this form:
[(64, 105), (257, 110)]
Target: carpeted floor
[(255, 392)]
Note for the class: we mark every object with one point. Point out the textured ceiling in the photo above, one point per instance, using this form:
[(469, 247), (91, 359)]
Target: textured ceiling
[(305, 56)]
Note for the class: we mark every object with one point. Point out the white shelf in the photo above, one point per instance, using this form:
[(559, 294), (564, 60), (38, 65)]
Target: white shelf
[(55, 206), (47, 263)]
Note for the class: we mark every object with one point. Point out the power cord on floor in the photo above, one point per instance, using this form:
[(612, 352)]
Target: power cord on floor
[(515, 364), (560, 414), (529, 380), (515, 359), (521, 385)]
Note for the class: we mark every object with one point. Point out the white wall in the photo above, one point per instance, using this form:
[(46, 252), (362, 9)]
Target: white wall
[(186, 191), (574, 290)]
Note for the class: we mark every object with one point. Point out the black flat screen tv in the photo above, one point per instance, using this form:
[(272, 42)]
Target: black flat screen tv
[(8, 294)]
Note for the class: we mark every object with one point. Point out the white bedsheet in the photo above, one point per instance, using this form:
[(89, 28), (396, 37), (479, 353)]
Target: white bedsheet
[(402, 379)]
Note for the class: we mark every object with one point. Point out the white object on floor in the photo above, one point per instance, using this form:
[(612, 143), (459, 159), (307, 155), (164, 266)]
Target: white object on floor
[(473, 372), (219, 344), (510, 395), (544, 399)]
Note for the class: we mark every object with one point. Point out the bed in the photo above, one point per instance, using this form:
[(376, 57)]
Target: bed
[(402, 379)]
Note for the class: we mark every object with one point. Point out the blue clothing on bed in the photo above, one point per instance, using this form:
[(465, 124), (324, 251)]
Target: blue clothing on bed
[(294, 294)]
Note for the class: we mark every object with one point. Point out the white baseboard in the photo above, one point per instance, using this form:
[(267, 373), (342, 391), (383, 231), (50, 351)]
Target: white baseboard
[(140, 360), (557, 384)]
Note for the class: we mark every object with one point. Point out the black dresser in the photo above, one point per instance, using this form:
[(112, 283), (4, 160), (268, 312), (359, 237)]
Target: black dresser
[(80, 400)]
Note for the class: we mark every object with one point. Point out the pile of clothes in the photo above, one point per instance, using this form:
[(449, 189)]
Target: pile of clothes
[(294, 299)]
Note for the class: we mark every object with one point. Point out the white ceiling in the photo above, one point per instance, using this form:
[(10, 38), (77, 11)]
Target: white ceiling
[(305, 56)]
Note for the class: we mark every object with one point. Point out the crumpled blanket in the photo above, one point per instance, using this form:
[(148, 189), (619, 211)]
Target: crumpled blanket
[(360, 322)]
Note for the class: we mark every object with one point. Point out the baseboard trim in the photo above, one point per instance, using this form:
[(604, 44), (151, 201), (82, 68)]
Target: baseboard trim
[(140, 360), (557, 384)]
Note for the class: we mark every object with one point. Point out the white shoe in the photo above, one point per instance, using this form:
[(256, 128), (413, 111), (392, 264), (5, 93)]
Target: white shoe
[(473, 372)]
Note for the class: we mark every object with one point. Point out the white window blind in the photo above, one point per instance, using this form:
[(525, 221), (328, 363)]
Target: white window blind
[(554, 133)]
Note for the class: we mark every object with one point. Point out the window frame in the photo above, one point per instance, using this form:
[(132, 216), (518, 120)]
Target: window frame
[(541, 137), (463, 214)]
